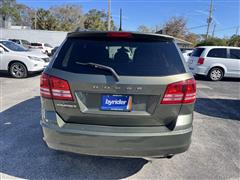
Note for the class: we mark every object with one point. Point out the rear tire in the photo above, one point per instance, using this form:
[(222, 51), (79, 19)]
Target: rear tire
[(18, 70), (215, 74)]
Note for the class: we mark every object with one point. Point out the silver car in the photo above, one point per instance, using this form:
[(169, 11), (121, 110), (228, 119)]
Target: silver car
[(215, 62)]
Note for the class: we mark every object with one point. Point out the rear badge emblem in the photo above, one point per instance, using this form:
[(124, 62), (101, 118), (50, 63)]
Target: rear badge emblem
[(129, 88), (67, 105)]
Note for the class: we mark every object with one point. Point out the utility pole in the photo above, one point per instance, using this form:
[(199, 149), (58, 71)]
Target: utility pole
[(35, 20), (109, 15), (237, 30), (120, 27), (213, 32), (209, 20)]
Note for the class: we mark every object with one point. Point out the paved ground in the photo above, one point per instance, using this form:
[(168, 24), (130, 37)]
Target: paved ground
[(214, 153)]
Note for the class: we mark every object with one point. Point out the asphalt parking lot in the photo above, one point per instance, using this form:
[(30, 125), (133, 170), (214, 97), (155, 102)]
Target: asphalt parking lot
[(214, 152)]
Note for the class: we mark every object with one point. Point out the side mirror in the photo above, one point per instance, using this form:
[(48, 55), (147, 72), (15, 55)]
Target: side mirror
[(1, 50)]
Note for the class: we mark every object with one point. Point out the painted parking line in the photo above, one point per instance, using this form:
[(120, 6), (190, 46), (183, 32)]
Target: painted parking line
[(202, 86)]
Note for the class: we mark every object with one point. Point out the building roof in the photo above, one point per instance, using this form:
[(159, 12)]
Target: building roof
[(181, 41)]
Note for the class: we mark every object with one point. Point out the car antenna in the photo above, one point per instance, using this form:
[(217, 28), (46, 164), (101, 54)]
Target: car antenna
[(120, 28)]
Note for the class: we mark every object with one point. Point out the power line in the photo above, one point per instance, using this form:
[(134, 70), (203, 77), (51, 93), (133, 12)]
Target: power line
[(196, 27), (227, 28)]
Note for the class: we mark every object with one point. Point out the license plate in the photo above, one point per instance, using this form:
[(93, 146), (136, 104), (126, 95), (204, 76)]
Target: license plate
[(116, 103)]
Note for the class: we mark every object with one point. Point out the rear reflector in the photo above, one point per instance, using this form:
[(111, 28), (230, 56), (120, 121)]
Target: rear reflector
[(182, 92), (119, 34), (54, 88), (200, 61)]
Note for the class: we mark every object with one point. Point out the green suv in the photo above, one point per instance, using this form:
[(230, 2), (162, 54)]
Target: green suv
[(118, 94)]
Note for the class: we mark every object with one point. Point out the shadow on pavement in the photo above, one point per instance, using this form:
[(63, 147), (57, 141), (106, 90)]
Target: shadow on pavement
[(220, 108), (204, 78), (25, 155), (7, 75), (231, 79)]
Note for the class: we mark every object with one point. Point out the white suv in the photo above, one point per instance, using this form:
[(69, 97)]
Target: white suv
[(45, 47), (215, 62), (20, 62)]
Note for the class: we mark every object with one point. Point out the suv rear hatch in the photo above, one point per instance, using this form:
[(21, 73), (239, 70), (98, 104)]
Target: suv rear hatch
[(196, 58), (145, 65)]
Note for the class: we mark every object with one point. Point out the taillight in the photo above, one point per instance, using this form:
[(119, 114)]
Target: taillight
[(55, 88), (119, 34), (190, 91), (200, 61), (180, 92), (45, 86)]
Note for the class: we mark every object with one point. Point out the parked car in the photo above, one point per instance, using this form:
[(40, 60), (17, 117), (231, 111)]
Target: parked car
[(215, 62), (19, 61), (187, 54), (45, 47), (118, 94), (22, 42)]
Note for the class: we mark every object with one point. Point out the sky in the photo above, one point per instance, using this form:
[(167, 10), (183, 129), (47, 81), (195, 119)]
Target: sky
[(226, 13)]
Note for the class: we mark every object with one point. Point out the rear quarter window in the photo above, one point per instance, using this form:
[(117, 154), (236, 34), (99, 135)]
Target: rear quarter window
[(235, 53), (218, 53), (126, 57)]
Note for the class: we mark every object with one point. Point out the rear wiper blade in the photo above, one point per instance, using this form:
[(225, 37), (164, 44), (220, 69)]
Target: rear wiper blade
[(100, 66)]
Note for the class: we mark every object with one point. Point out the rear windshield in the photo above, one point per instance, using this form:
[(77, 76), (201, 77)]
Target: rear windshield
[(197, 52), (126, 57)]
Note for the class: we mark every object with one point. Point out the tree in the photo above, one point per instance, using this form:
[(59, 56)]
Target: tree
[(8, 10), (26, 15), (45, 20), (176, 27), (68, 17), (193, 38), (144, 29), (97, 20), (234, 41), (213, 42)]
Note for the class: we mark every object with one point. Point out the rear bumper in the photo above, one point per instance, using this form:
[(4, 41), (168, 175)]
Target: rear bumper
[(201, 70), (116, 141)]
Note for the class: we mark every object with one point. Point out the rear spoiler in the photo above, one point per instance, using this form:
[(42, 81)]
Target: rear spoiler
[(119, 34)]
